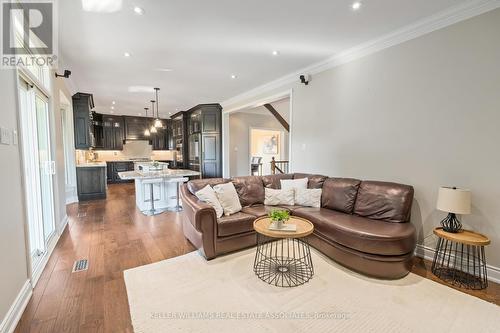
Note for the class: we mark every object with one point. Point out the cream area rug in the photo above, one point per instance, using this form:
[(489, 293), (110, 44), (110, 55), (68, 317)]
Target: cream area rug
[(190, 294)]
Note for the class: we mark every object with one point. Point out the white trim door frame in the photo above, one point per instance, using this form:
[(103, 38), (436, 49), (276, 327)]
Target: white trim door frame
[(226, 151)]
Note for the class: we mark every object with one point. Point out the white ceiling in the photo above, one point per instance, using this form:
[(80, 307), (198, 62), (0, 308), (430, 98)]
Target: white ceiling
[(205, 42)]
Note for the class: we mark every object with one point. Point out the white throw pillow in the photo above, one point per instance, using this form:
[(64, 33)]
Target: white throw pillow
[(308, 197), (279, 197), (228, 198), (207, 194), (294, 183)]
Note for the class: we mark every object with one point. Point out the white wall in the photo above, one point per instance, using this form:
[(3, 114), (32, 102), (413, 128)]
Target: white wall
[(239, 136), (13, 273), (425, 112)]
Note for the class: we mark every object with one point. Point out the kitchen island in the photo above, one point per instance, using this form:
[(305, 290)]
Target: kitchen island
[(157, 184)]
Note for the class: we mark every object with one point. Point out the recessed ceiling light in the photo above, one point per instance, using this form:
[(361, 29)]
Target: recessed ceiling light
[(275, 53), (233, 76), (126, 54), (112, 108), (170, 113), (138, 10), (356, 5), (113, 102)]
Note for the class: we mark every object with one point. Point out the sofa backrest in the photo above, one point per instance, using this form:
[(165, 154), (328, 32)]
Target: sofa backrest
[(197, 184), (340, 194), (386, 201), (250, 190), (274, 181), (314, 181)]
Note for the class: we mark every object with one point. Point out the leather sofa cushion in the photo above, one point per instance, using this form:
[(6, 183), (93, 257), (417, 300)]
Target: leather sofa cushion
[(362, 234), (289, 208), (315, 181), (250, 190), (274, 181), (340, 194), (197, 184), (260, 210), (234, 224), (390, 202)]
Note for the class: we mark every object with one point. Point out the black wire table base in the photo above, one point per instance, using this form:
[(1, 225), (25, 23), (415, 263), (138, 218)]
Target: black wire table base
[(462, 265), (284, 262)]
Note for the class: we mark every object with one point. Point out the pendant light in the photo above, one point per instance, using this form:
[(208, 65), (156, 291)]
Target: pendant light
[(146, 132), (153, 128), (158, 123)]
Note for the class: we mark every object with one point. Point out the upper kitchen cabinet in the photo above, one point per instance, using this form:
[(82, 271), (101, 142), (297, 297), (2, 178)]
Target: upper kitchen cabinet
[(83, 104), (135, 127), (113, 132), (162, 139)]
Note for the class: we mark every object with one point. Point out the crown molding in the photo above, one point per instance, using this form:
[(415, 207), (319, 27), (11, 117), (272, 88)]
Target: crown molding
[(422, 27)]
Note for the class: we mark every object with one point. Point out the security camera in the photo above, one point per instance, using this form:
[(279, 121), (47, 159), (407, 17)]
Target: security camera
[(305, 78), (66, 74)]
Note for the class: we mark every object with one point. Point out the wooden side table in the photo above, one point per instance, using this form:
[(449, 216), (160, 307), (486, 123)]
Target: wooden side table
[(459, 258), (283, 258)]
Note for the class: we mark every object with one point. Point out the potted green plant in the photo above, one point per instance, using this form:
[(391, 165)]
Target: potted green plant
[(279, 216)]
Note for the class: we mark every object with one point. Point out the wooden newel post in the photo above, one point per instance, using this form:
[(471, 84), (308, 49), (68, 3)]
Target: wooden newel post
[(273, 166)]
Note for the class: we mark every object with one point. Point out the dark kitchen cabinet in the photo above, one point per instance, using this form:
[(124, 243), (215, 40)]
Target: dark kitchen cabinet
[(82, 118), (211, 156), (135, 127), (163, 139), (115, 167), (113, 132), (97, 130), (179, 138), (204, 123), (91, 183)]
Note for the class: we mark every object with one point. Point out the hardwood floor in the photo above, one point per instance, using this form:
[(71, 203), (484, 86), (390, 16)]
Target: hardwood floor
[(115, 236)]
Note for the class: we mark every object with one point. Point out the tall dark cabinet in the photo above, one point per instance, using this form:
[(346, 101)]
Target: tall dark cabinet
[(113, 132), (179, 139), (204, 129), (83, 104)]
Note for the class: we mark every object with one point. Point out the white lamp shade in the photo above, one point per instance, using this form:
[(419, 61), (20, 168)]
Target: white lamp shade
[(158, 123), (454, 200), (153, 130)]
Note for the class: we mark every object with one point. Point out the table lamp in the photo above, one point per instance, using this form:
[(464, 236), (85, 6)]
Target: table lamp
[(453, 201)]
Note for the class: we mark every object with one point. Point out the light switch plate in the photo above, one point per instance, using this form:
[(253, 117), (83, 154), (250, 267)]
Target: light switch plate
[(15, 138), (5, 136)]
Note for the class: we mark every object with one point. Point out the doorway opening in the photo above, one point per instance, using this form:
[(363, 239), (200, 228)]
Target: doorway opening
[(257, 138)]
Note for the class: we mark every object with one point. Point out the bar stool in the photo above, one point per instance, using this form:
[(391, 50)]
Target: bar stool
[(153, 211), (178, 182)]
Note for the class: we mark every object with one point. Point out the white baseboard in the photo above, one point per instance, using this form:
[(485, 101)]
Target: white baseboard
[(35, 275), (63, 225), (9, 322), (72, 199), (427, 252)]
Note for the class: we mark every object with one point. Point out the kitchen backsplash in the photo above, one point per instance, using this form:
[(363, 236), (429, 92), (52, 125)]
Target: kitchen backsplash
[(131, 149)]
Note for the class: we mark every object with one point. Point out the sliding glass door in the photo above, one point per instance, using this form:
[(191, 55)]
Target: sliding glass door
[(39, 168)]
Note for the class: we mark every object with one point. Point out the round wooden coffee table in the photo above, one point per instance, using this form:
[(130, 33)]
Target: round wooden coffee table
[(283, 258), (460, 258)]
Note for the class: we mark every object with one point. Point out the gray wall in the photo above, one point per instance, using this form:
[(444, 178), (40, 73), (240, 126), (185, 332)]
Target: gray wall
[(425, 112), (13, 274)]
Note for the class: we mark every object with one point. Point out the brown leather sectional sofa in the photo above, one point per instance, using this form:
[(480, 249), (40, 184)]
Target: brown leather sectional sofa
[(363, 225)]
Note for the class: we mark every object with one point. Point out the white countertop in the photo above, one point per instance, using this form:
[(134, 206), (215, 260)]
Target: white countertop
[(166, 173), (91, 165)]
